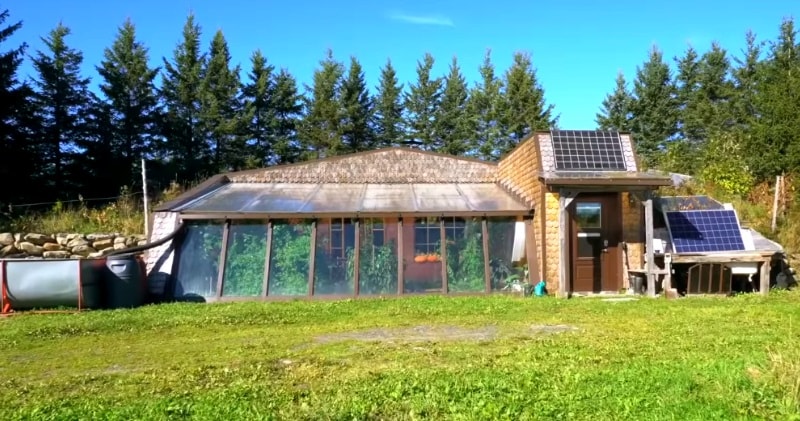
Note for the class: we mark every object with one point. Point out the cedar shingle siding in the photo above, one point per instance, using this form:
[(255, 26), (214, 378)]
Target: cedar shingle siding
[(386, 166)]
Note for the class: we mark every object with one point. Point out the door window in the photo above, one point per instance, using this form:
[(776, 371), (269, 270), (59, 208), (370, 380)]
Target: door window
[(588, 215)]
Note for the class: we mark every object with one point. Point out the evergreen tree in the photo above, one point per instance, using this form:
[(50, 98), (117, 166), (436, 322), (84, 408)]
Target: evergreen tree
[(687, 86), (452, 124), (287, 104), (775, 147), (321, 126), (715, 93), (745, 76), (221, 109), (525, 110), (62, 103), (388, 116), (356, 108), (421, 102), (132, 104), (654, 108), (258, 95), (16, 117), (485, 105), (615, 113), (181, 92)]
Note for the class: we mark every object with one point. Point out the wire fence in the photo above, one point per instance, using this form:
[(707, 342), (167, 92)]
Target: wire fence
[(80, 199)]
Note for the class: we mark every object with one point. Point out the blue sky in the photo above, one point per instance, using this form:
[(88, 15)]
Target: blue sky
[(577, 46)]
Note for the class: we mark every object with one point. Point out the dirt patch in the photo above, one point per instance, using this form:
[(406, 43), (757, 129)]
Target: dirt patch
[(435, 333)]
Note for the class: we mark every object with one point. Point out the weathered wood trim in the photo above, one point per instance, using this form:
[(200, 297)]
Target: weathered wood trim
[(268, 257), (530, 248), (356, 258), (667, 275), (312, 260), (400, 257), (222, 258), (563, 234), (649, 254), (443, 253), (763, 286), (721, 258), (487, 269), (543, 231)]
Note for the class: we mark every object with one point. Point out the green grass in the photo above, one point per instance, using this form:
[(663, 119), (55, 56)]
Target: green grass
[(697, 358)]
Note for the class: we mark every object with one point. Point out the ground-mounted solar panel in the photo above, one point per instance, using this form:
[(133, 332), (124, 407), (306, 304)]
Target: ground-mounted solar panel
[(587, 150), (701, 231)]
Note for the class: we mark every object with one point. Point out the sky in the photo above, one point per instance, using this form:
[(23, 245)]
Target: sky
[(577, 47)]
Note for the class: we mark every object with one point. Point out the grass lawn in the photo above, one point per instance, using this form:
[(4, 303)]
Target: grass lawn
[(429, 357)]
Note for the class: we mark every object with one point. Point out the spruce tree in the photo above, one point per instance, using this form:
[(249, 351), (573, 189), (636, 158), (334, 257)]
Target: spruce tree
[(181, 92), (388, 116), (715, 93), (356, 109), (16, 118), (654, 108), (62, 102), (687, 85), (221, 109), (525, 110), (321, 126), (287, 104), (485, 105), (452, 120), (745, 80), (775, 147), (615, 113), (131, 104), (258, 93), (421, 102)]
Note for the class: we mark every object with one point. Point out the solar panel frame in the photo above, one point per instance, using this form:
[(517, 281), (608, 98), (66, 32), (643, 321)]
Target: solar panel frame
[(588, 150), (705, 231)]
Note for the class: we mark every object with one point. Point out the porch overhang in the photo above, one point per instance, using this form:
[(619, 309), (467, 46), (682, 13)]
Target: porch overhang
[(622, 180)]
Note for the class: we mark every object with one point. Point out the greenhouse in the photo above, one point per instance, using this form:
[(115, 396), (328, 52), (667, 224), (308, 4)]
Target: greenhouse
[(385, 222)]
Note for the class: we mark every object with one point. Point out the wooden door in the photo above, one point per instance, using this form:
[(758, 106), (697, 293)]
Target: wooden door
[(596, 231)]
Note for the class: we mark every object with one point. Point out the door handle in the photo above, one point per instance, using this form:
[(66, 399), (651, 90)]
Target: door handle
[(605, 246)]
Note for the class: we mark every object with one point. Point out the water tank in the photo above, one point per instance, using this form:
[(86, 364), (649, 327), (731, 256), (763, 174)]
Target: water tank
[(125, 281), (40, 284)]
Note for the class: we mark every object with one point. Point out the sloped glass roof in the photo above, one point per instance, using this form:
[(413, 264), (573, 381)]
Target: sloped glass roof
[(341, 198)]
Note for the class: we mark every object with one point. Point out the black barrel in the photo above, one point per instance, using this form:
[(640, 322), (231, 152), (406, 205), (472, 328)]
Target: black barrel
[(125, 286)]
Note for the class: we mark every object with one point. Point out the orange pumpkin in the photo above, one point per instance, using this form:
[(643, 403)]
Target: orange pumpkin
[(421, 258), (433, 258)]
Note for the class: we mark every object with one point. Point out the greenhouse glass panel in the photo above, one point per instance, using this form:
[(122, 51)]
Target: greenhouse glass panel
[(334, 259), (289, 257), (246, 256), (377, 272), (465, 263), (501, 245), (198, 260)]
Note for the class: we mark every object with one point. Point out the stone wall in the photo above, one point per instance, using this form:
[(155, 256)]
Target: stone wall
[(63, 246)]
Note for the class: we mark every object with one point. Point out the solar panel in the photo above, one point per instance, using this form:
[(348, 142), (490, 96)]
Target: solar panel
[(705, 231), (583, 150)]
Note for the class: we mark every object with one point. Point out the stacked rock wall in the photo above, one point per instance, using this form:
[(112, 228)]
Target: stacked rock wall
[(63, 246)]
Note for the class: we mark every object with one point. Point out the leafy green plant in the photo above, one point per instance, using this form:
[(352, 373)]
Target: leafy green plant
[(246, 254), (291, 252), (465, 263), (377, 272)]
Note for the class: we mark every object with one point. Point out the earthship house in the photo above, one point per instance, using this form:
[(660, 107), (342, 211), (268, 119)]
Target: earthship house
[(570, 208)]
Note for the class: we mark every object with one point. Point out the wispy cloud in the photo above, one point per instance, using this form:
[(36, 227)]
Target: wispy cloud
[(422, 19)]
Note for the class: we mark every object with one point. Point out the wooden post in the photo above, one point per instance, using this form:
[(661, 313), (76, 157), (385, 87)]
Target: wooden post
[(530, 253), (649, 252), (775, 203), (222, 257), (443, 254), (312, 261), (400, 258), (144, 195), (268, 257), (487, 269), (563, 234), (667, 274), (763, 287), (357, 258)]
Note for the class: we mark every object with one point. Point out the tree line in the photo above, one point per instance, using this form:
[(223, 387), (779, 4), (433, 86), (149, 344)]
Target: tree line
[(730, 120), (196, 114)]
